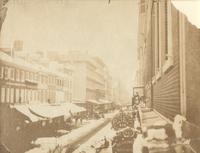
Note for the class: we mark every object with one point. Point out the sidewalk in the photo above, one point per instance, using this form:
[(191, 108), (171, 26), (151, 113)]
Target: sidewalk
[(73, 138), (150, 117)]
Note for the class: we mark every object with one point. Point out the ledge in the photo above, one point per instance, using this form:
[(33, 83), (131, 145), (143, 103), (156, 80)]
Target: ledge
[(158, 75), (167, 65), (153, 80)]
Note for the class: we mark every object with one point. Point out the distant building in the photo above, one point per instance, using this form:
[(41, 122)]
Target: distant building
[(25, 82), (91, 79), (33, 98), (120, 93)]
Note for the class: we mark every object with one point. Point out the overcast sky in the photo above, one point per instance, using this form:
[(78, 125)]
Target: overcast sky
[(191, 8), (107, 30)]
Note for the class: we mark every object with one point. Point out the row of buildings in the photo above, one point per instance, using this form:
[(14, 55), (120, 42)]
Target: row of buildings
[(169, 55), (41, 91)]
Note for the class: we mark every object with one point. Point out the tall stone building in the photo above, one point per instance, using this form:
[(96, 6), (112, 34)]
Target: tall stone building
[(3, 11), (92, 81), (169, 55)]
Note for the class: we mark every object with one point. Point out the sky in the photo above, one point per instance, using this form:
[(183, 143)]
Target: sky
[(191, 8), (107, 30)]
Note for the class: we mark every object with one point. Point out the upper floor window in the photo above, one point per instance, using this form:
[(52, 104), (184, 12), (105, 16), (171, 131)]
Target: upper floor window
[(168, 52), (12, 73), (1, 72), (27, 75), (6, 73), (22, 75), (31, 76), (157, 39), (17, 72), (142, 8)]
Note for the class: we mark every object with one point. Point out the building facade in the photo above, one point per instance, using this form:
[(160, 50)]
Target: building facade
[(92, 84), (169, 52), (23, 82)]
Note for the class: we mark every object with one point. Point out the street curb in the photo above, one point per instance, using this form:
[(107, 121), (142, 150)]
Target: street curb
[(84, 137)]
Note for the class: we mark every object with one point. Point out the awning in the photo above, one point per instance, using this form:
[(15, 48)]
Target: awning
[(47, 110), (55, 110), (23, 109), (103, 101), (93, 101), (74, 108)]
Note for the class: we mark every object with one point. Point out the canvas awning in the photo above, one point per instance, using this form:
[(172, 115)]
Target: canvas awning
[(55, 110), (24, 109), (93, 101), (74, 108), (103, 101)]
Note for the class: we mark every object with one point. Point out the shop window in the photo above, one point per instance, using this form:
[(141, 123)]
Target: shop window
[(7, 95), (22, 95), (3, 92), (1, 72), (26, 95), (12, 95), (17, 95)]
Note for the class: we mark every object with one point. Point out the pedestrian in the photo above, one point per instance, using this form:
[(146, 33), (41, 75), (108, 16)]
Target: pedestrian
[(106, 142), (136, 99)]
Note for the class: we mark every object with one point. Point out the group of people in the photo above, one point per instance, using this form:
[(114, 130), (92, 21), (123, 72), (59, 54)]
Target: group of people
[(137, 99)]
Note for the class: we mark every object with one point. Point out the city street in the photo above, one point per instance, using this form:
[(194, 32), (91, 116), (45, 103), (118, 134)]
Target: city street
[(89, 146), (99, 76)]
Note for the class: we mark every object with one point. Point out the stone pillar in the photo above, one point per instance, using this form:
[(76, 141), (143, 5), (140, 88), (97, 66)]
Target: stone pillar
[(3, 11)]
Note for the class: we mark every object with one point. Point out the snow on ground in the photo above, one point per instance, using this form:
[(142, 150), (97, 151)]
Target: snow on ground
[(47, 143), (105, 132)]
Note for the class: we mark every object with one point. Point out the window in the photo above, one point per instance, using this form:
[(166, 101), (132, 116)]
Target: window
[(1, 72), (168, 54), (31, 76), (70, 84), (3, 92), (142, 9), (17, 75), (12, 95), (26, 96), (157, 41), (17, 95), (22, 76), (12, 73), (42, 77), (8, 95), (36, 95), (22, 95), (31, 95), (70, 97), (6, 73), (27, 75)]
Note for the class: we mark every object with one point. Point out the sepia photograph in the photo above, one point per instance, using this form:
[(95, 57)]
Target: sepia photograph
[(99, 76)]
